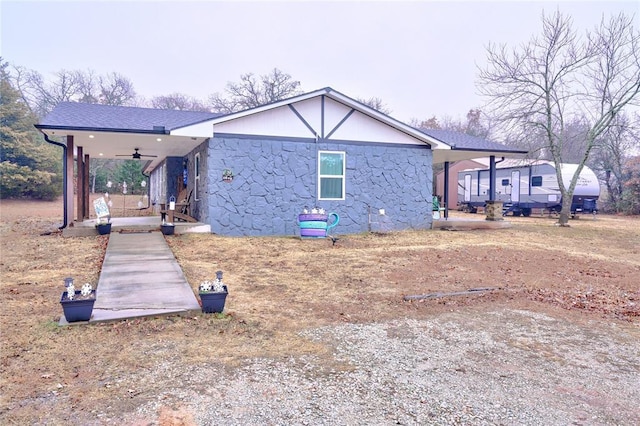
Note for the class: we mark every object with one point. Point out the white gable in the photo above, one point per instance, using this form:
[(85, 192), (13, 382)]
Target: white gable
[(359, 127), (280, 121), (325, 114), (305, 120)]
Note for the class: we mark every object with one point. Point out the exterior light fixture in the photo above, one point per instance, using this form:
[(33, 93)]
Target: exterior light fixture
[(159, 139), (91, 136)]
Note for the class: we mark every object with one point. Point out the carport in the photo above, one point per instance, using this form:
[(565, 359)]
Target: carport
[(467, 147)]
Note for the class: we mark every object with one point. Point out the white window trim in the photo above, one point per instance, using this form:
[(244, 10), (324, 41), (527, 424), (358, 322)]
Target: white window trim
[(197, 169), (344, 175)]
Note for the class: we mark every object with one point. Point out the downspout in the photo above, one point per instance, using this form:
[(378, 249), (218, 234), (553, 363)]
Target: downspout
[(64, 178)]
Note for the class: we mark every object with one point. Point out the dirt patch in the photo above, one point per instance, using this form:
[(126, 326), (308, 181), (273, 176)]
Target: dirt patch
[(280, 288)]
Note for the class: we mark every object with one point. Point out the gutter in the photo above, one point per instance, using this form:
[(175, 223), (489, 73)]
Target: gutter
[(157, 130), (64, 178)]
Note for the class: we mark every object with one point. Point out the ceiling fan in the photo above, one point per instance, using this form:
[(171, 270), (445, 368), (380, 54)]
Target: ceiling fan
[(136, 155)]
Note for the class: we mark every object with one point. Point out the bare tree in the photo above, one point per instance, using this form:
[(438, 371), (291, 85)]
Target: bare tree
[(611, 153), (375, 103), (476, 124), (253, 91), (115, 89), (559, 77), (40, 96), (79, 86), (429, 123), (178, 101), (87, 87)]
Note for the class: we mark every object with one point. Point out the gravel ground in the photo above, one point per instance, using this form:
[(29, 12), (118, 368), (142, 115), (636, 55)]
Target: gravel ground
[(501, 367)]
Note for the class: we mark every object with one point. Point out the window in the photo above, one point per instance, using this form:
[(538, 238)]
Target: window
[(196, 173), (331, 175), (536, 180)]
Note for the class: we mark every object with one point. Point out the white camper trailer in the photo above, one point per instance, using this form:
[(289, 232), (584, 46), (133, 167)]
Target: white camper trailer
[(522, 188)]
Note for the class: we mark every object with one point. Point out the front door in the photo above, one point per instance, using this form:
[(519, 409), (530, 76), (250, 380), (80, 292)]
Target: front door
[(467, 188), (515, 186)]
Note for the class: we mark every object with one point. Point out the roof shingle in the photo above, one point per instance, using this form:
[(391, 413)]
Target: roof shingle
[(77, 115), (462, 141)]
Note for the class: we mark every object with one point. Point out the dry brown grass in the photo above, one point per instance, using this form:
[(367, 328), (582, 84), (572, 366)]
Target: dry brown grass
[(279, 286)]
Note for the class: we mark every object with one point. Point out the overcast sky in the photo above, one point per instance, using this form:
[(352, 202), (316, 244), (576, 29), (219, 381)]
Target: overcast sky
[(419, 57)]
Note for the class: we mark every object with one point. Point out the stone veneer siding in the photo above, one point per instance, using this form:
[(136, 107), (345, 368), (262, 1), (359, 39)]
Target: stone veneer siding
[(174, 175), (275, 179), (199, 207)]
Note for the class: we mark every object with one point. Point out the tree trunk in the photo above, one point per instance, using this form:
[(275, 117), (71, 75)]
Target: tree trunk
[(565, 213)]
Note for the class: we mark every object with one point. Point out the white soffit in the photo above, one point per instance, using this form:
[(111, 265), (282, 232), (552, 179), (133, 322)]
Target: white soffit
[(199, 130)]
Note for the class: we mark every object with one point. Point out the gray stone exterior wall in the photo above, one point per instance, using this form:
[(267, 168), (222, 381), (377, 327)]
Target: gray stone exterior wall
[(174, 175), (275, 179), (199, 207)]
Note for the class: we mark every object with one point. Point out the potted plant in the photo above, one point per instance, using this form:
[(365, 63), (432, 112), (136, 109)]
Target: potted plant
[(77, 305), (167, 228), (213, 294), (103, 225)]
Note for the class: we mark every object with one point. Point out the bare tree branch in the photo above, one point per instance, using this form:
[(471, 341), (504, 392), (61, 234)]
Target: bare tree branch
[(559, 87), (178, 101), (253, 91)]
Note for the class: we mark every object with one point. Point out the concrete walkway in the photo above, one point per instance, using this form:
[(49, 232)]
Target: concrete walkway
[(140, 277)]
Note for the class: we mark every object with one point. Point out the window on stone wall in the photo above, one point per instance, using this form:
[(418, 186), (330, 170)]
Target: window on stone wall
[(196, 174), (331, 176)]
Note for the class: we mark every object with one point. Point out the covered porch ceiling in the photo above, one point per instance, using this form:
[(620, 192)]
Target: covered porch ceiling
[(121, 145)]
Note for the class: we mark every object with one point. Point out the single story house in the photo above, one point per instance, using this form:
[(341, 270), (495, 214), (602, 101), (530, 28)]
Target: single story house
[(252, 172)]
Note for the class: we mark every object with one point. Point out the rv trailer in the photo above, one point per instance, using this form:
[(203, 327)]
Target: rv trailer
[(526, 187)]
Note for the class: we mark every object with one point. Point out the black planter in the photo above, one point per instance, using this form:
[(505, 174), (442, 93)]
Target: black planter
[(213, 302), (103, 228), (168, 229), (77, 309)]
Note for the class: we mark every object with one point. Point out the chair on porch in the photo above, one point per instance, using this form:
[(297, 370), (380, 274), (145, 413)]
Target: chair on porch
[(182, 209)]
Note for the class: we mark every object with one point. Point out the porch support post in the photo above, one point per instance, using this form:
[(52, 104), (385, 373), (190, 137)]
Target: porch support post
[(86, 186), (69, 180), (80, 183), (446, 190), (492, 178)]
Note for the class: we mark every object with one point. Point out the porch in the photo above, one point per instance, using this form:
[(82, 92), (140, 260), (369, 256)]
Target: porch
[(137, 224)]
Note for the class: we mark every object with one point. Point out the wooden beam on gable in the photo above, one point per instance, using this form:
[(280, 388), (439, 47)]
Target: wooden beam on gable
[(345, 118), (301, 118)]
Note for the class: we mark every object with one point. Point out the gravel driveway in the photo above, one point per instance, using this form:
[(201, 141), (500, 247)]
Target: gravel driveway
[(511, 367)]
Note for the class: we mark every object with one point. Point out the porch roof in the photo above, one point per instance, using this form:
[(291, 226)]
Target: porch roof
[(96, 117), (107, 131), (467, 147)]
